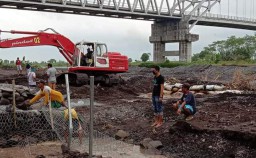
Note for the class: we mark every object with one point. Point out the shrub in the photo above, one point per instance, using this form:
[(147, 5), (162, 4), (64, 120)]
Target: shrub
[(167, 64)]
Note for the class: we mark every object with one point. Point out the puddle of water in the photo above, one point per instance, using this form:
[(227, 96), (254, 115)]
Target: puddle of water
[(82, 102), (113, 148), (166, 96), (145, 95)]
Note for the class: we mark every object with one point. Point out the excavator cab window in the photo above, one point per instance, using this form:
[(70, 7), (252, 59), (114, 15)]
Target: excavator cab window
[(76, 58), (92, 55), (78, 55), (101, 50)]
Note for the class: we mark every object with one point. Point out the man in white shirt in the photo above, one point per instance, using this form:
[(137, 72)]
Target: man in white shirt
[(32, 78), (51, 73)]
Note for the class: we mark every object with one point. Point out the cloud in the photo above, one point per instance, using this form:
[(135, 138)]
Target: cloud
[(130, 37)]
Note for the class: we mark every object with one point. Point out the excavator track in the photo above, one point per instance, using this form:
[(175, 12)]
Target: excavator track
[(75, 79), (78, 79)]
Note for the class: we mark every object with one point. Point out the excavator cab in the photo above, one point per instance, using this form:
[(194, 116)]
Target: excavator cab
[(91, 54)]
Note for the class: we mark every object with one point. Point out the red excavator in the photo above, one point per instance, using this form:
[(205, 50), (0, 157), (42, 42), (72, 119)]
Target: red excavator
[(86, 58)]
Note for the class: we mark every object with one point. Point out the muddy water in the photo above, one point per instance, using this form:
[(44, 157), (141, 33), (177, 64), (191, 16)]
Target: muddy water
[(109, 147), (82, 103)]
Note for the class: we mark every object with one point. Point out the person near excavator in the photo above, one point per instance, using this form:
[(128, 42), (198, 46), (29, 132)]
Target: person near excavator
[(187, 103), (32, 78), (51, 73), (18, 65), (28, 67), (157, 96), (89, 56)]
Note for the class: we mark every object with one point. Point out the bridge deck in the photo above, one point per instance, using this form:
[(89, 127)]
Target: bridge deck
[(126, 10)]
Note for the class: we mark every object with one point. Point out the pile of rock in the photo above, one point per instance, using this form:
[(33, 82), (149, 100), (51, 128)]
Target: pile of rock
[(22, 93)]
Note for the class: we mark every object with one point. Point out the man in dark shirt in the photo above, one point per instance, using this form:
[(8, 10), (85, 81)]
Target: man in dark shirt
[(157, 96), (187, 103), (89, 56), (28, 67)]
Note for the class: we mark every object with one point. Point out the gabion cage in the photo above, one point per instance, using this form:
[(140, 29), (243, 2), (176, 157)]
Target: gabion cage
[(29, 127)]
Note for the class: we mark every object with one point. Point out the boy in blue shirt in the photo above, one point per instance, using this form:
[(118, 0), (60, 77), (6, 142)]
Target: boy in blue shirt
[(187, 103)]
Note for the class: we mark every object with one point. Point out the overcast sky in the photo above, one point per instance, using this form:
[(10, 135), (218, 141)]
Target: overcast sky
[(130, 37)]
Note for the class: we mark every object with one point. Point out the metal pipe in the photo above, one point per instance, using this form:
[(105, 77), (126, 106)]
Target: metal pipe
[(70, 125), (91, 116)]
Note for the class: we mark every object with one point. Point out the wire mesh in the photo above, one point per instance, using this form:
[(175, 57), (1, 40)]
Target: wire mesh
[(33, 127), (31, 132)]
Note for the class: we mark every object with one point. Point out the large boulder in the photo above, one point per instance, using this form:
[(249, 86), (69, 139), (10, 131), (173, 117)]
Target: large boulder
[(4, 101), (6, 94), (121, 134), (20, 99)]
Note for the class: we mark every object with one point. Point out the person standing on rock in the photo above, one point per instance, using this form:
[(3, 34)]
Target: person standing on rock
[(32, 78), (28, 67), (18, 65), (187, 103), (51, 73), (157, 96)]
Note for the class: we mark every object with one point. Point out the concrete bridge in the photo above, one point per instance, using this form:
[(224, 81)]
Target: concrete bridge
[(173, 19)]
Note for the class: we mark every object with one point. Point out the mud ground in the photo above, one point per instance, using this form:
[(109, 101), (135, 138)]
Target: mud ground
[(224, 126)]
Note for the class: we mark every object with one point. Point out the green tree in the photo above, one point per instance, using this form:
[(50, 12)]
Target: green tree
[(52, 61), (144, 57), (232, 49), (6, 61), (130, 60)]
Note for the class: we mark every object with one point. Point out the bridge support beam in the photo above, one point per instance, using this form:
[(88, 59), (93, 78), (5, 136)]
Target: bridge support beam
[(163, 32), (159, 48), (185, 52)]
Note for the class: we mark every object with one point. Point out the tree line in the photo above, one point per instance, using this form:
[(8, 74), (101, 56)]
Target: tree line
[(232, 49), (11, 63)]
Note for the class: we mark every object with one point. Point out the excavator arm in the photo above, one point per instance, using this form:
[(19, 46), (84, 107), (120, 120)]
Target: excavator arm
[(66, 47)]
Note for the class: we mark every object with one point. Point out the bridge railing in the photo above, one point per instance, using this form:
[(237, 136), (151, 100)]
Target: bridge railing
[(109, 4), (224, 17), (128, 6)]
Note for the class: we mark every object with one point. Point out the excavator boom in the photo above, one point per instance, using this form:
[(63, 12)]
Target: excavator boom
[(41, 38)]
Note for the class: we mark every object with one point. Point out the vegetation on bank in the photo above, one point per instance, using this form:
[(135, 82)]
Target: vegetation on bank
[(239, 51), (170, 64), (11, 64), (234, 49)]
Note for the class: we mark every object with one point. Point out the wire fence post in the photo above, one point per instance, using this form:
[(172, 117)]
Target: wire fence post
[(14, 103), (91, 116), (70, 125), (50, 110)]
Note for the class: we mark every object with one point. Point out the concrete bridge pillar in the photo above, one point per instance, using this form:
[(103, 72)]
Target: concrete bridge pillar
[(174, 31), (185, 51), (158, 48)]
